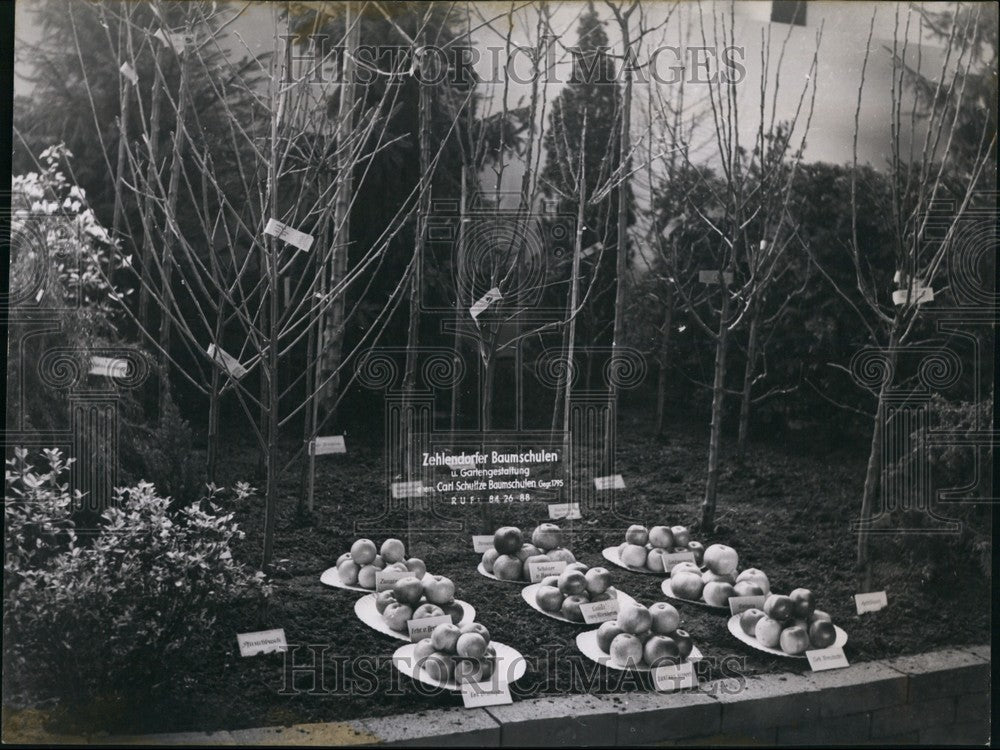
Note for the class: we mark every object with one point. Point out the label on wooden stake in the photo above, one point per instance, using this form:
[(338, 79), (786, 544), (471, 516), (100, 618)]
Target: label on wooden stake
[(480, 305), (871, 602), (482, 543), (539, 570), (740, 604), (827, 658), (480, 694), (569, 511), (595, 613), (108, 367), (424, 626), (129, 72), (262, 642), (284, 232), (321, 446), (228, 363), (613, 482), (674, 677)]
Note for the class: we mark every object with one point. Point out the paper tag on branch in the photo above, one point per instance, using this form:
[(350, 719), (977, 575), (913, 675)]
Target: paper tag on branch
[(228, 363), (712, 277), (177, 42), (595, 248), (613, 482), (284, 232), (917, 295), (108, 367), (129, 72), (321, 446), (477, 309), (262, 642)]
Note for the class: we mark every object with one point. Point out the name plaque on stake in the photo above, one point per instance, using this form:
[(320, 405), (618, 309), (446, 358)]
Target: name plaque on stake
[(595, 613), (569, 511), (480, 694), (108, 367), (407, 489), (712, 277), (482, 543), (827, 658), (871, 602), (674, 677), (675, 558), (424, 626), (262, 642), (284, 232), (229, 363), (538, 570), (740, 604), (480, 305), (321, 446), (613, 482), (386, 579), (129, 72)]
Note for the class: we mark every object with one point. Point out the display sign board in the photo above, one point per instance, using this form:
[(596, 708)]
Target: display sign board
[(538, 570), (674, 677), (505, 472), (827, 658), (569, 511), (262, 642), (284, 232), (740, 604), (595, 613), (613, 482), (321, 446), (424, 626), (482, 543), (871, 602)]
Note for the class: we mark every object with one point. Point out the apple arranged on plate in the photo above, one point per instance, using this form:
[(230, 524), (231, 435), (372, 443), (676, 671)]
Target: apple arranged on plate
[(358, 567), (563, 594), (791, 623), (509, 558), (720, 581), (461, 653), (643, 548), (645, 636), (412, 598)]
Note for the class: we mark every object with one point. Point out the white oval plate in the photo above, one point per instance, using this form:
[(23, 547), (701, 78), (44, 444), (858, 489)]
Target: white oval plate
[(587, 643), (331, 577), (736, 630), (366, 611), (669, 593), (510, 664), (483, 572), (529, 593), (611, 555)]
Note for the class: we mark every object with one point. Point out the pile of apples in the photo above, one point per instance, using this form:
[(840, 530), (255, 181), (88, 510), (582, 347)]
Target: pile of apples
[(644, 547), (720, 581), (463, 654), (645, 637), (412, 598), (358, 567), (509, 558), (577, 584), (791, 623)]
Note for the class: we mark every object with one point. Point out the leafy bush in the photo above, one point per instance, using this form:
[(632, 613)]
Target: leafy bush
[(85, 619)]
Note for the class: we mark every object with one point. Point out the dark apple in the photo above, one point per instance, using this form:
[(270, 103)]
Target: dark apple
[(803, 602), (822, 634), (684, 642), (508, 540), (779, 607)]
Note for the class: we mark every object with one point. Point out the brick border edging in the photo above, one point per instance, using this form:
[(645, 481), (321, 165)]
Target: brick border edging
[(940, 697)]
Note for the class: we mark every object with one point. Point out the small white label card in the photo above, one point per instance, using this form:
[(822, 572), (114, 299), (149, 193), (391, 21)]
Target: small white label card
[(284, 232), (597, 612), (674, 558), (712, 277), (871, 602), (482, 543), (918, 295), (613, 482), (569, 511), (176, 41), (826, 658), (262, 642), (386, 579), (588, 251), (108, 367), (480, 694), (229, 363), (675, 677), (740, 604), (480, 305), (538, 570), (422, 628), (129, 72), (407, 489), (330, 444)]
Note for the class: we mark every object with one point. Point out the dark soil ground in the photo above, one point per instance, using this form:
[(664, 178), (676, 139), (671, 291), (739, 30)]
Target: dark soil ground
[(785, 511)]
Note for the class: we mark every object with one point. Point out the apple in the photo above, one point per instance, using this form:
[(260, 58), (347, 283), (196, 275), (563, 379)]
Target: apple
[(681, 536), (416, 566), (445, 637), (507, 568), (606, 596), (768, 631), (698, 549), (803, 602), (526, 551), (378, 562), (666, 618), (794, 640), (753, 575), (345, 556), (366, 576), (401, 567), (778, 607), (570, 608), (717, 593), (473, 670), (476, 627), (392, 550), (637, 534), (661, 536), (550, 581), (746, 588), (455, 611), (822, 634), (408, 591), (661, 650), (427, 610), (687, 585), (562, 554), (572, 582), (721, 559), (470, 645), (348, 571), (439, 667), (489, 557), (383, 599), (818, 614), (396, 615), (654, 559), (683, 567), (606, 633), (708, 576), (363, 552), (626, 650), (423, 649), (685, 644), (547, 536), (634, 618), (598, 580), (549, 598), (634, 555), (439, 589), (508, 540), (749, 618), (582, 567)]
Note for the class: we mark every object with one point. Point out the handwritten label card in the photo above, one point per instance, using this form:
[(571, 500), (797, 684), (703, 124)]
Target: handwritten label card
[(598, 612), (407, 489), (129, 72), (108, 367), (284, 232), (330, 444), (826, 658), (538, 570), (918, 295), (871, 602), (675, 677), (228, 363), (569, 511), (482, 543), (262, 642), (712, 277), (675, 558), (480, 305), (613, 482), (422, 628), (480, 694), (386, 579), (740, 604)]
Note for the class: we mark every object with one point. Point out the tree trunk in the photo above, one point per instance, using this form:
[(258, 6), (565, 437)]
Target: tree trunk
[(459, 302), (151, 170), (571, 313), (486, 397), (748, 375), (715, 437), (661, 382)]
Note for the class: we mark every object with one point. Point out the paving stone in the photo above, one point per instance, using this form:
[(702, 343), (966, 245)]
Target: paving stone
[(966, 733), (756, 738), (840, 730), (858, 688), (769, 701), (941, 673), (333, 733), (912, 717), (197, 739), (654, 717), (972, 707), (559, 720), (448, 727), (906, 738), (982, 651)]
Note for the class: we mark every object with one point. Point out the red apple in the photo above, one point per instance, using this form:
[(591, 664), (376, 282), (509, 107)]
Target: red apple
[(401, 567), (748, 620), (681, 536), (721, 559), (549, 598), (550, 581), (445, 637), (661, 650), (717, 593), (637, 534), (508, 540), (378, 562), (745, 588), (778, 607), (507, 568), (572, 582), (476, 627), (755, 576), (684, 642), (654, 559), (454, 611), (408, 591), (392, 550), (561, 554), (423, 648), (363, 552), (768, 631), (439, 667), (687, 585), (634, 555), (427, 610), (661, 536), (606, 633), (470, 645), (794, 640), (547, 536), (626, 650), (489, 557), (582, 567), (634, 618), (803, 602), (698, 549), (822, 634), (526, 551), (708, 576), (598, 580), (396, 615), (570, 608), (348, 570), (366, 577), (818, 614), (666, 618), (383, 599), (685, 567), (473, 670), (345, 556)]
